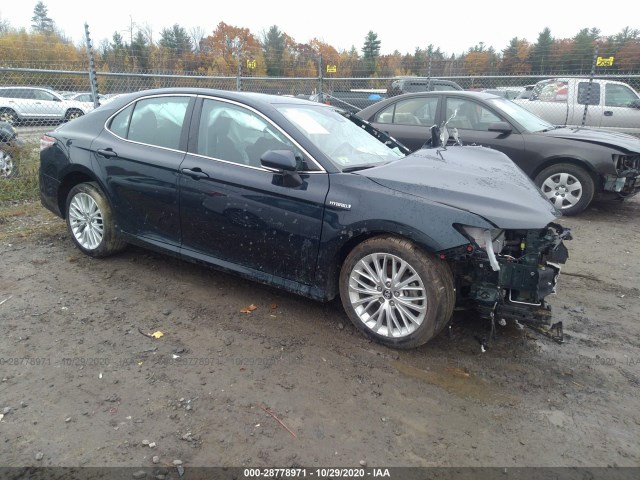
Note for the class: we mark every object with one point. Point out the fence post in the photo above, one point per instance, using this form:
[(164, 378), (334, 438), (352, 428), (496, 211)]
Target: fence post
[(239, 78), (92, 69), (320, 94), (591, 75)]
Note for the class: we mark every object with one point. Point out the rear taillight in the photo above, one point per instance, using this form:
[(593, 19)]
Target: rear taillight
[(46, 141)]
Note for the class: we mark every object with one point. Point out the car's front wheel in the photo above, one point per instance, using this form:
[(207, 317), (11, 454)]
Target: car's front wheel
[(90, 221), (395, 292), (568, 187)]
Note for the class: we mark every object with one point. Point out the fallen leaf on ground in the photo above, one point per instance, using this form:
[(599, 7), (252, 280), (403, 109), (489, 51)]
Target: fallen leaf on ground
[(157, 334), (248, 309)]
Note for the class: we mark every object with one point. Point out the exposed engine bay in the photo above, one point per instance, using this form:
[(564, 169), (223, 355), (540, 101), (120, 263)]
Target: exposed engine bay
[(507, 274)]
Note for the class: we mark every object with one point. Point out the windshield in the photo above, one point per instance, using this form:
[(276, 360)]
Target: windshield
[(520, 115), (342, 141)]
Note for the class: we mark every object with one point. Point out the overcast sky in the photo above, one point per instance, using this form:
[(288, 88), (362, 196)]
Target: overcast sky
[(453, 26)]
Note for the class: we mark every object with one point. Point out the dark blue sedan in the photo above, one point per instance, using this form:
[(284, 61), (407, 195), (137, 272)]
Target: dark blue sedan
[(298, 195)]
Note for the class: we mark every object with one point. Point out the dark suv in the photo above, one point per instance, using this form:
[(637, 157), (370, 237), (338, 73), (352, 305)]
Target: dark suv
[(402, 85)]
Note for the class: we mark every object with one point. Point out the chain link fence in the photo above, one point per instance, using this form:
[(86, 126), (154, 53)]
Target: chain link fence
[(35, 100)]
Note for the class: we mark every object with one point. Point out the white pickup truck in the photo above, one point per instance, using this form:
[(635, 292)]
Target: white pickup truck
[(561, 101)]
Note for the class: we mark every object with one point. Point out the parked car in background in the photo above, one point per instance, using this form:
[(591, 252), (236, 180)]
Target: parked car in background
[(610, 104), (570, 165), (352, 100), (9, 143), (38, 105), (508, 93), (299, 195), (86, 97), (402, 85), (525, 93)]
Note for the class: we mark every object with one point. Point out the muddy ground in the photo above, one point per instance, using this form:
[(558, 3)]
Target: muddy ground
[(292, 382)]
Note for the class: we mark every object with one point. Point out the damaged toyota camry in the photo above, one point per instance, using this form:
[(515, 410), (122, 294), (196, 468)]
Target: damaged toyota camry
[(296, 195)]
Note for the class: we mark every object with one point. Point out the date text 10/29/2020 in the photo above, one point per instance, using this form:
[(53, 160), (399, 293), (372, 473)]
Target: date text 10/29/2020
[(316, 472)]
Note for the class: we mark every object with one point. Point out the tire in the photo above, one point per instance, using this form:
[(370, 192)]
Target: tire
[(9, 116), (73, 114), (402, 314), (568, 187), (90, 221), (8, 167)]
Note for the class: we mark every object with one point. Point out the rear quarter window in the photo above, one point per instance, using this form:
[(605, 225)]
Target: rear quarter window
[(588, 96)]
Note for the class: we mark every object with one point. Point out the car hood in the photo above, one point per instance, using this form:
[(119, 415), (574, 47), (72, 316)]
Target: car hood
[(476, 179), (618, 140)]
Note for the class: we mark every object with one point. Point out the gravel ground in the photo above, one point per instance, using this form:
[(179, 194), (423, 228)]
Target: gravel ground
[(291, 382)]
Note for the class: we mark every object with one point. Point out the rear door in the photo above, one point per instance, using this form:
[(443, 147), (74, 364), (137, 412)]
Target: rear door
[(233, 211), (139, 156), (41, 104)]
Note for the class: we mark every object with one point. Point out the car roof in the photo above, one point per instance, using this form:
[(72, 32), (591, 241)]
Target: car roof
[(244, 97), (439, 93)]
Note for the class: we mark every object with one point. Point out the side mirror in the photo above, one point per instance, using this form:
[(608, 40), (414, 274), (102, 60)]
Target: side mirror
[(635, 104), (502, 127), (282, 162)]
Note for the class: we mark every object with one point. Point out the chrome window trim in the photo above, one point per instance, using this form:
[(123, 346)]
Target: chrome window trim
[(108, 120), (269, 121), (226, 100)]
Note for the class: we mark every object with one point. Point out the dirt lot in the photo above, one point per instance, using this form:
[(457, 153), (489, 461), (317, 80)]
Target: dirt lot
[(292, 382)]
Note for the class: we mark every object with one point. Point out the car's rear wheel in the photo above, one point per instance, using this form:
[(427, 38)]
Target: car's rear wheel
[(9, 116), (396, 293), (74, 113), (568, 187), (8, 167), (90, 221)]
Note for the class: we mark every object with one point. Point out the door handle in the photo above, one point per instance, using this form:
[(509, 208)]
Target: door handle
[(195, 173), (608, 113), (106, 153)]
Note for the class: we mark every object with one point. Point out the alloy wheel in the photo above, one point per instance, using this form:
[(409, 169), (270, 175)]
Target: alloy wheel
[(6, 164), (86, 222), (387, 295)]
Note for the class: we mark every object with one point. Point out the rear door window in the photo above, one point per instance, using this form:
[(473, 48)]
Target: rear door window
[(154, 121)]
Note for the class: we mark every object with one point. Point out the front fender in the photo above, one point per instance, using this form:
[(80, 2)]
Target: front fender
[(358, 208)]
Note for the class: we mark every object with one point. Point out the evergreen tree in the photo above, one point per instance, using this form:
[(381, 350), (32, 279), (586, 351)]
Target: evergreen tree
[(583, 50), (370, 52), (177, 40), (541, 52), (273, 45), (41, 23), (140, 51)]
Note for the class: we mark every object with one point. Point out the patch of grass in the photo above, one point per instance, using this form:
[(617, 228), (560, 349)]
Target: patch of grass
[(27, 219)]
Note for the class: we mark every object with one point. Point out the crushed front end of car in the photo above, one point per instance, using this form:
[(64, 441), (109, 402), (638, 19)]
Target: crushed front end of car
[(506, 275), (506, 260), (626, 181), (505, 257)]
